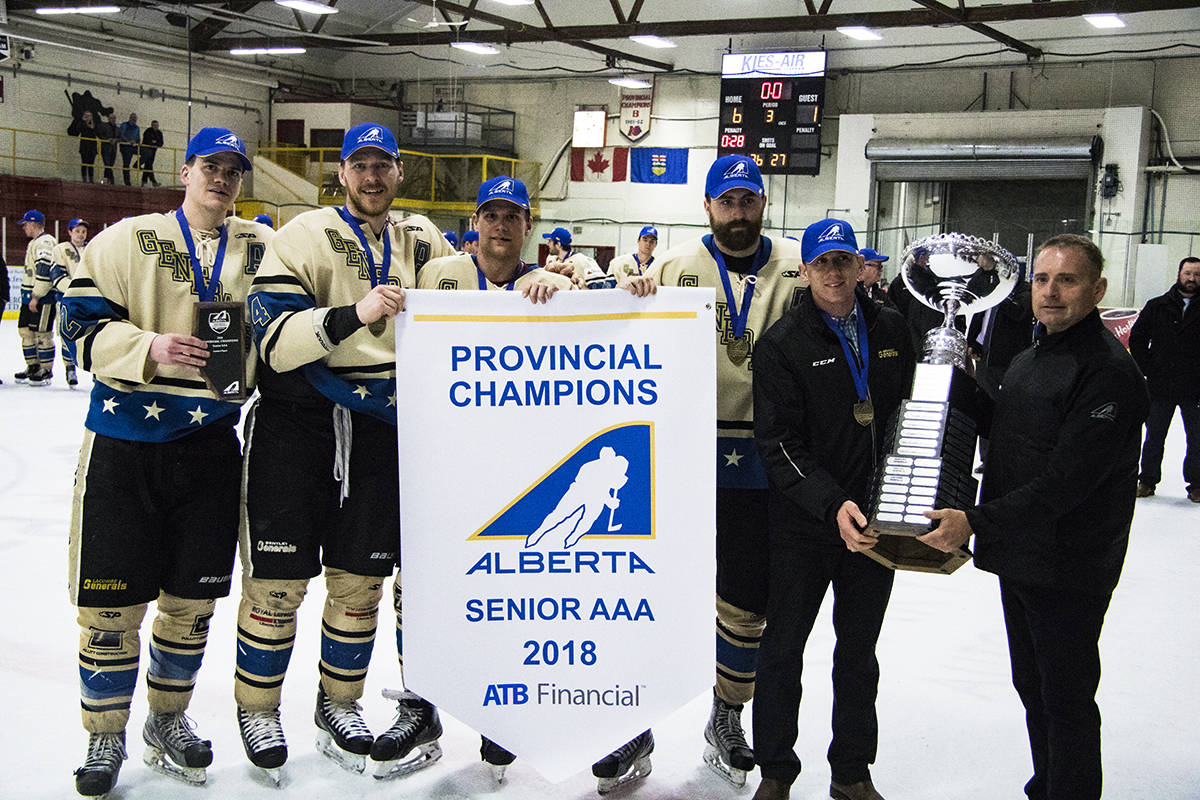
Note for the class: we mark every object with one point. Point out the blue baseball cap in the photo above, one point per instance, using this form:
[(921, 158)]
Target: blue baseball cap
[(369, 134), (826, 235), (870, 255), (451, 237), (77, 222), (210, 141), (733, 172), (470, 236), (503, 187), (265, 219), (560, 235), (33, 215), (649, 230)]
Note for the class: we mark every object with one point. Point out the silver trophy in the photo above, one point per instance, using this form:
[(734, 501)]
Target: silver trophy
[(931, 442)]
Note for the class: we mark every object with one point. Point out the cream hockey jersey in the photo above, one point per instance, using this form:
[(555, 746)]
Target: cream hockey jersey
[(461, 273), (39, 256), (776, 288), (629, 265), (64, 261), (134, 282), (316, 263)]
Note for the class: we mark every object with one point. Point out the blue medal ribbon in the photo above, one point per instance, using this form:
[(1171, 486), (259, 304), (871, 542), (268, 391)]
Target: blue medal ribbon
[(640, 266), (857, 372), (376, 275), (205, 290), (739, 312), (483, 281)]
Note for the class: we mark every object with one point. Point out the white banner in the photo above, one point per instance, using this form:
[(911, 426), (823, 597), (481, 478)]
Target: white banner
[(557, 496)]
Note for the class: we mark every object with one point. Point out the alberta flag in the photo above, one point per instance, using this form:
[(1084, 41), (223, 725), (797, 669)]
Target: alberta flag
[(659, 165)]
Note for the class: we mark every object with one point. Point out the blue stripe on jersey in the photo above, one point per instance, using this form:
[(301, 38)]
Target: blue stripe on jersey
[(736, 658), (346, 656), (267, 306), (152, 416), (739, 465), (261, 662), (374, 396), (95, 685), (81, 314), (170, 666)]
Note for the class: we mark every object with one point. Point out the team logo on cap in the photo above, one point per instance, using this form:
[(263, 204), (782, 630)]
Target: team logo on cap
[(832, 234), (738, 170), (371, 135), (231, 140), (503, 187)]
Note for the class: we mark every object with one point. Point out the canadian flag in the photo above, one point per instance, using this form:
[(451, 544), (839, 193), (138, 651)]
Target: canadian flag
[(599, 163)]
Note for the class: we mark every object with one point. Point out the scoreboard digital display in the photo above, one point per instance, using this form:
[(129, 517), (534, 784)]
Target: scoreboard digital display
[(771, 110)]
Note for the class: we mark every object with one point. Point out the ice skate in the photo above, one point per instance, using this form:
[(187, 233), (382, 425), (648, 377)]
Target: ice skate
[(98, 775), (411, 743), (496, 757), (341, 733), (174, 749), (727, 753), (22, 376), (36, 376), (629, 762), (262, 736), (72, 378)]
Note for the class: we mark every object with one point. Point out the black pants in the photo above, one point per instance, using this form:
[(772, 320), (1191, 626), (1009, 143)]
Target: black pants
[(1158, 422), (1053, 642), (87, 161), (108, 153), (800, 575), (128, 151), (147, 161)]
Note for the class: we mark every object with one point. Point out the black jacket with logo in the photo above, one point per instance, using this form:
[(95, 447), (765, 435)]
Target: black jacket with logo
[(1165, 343), (1058, 486), (816, 455)]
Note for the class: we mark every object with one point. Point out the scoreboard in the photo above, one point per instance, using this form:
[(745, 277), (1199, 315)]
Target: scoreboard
[(771, 110)]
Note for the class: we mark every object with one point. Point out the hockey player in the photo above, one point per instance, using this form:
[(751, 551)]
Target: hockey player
[(756, 278), (49, 286), (470, 243), (265, 219), (321, 461), (572, 263), (636, 263), (154, 515), (37, 334)]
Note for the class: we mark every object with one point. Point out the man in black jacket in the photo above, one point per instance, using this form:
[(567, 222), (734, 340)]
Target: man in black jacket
[(1055, 509), (1165, 343), (827, 377)]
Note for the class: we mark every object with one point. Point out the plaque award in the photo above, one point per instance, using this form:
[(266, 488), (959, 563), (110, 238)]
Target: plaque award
[(223, 326), (931, 441)]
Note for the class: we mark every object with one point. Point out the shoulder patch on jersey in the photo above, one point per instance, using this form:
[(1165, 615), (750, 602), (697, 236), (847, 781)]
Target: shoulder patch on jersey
[(245, 236), (413, 228), (1107, 411), (447, 284), (790, 273)]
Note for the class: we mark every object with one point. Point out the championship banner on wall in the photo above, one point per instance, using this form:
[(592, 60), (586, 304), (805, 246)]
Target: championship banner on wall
[(636, 106), (557, 496)]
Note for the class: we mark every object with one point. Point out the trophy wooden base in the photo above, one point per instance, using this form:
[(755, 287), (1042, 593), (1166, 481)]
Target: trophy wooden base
[(898, 551)]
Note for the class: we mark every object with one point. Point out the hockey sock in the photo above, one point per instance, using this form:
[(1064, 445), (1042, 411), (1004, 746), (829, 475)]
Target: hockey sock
[(108, 665), (177, 641), (738, 635), (348, 632), (266, 633)]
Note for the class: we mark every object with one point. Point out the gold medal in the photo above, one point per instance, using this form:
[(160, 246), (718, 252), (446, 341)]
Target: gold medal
[(864, 412), (377, 327), (738, 349)]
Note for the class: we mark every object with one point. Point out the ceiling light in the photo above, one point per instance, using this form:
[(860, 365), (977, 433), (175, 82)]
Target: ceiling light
[(1105, 20), (307, 5), (266, 51), (476, 47), (630, 83), (653, 41), (78, 10), (860, 33)]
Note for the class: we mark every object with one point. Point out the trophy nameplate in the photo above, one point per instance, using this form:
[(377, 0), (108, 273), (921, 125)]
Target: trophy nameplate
[(931, 441), (223, 326)]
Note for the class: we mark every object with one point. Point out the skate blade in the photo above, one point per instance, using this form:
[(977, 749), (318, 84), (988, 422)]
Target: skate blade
[(498, 771), (158, 761), (351, 762), (735, 776), (273, 774), (418, 758), (640, 769)]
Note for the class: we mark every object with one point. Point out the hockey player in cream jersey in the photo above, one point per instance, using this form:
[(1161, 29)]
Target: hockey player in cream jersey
[(37, 331), (54, 281), (756, 278), (154, 515), (321, 461), (639, 262)]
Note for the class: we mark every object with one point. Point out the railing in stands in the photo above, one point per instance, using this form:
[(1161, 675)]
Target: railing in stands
[(39, 154)]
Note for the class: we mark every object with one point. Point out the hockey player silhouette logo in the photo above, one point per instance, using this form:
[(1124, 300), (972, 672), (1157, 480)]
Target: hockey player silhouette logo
[(371, 135), (231, 140), (503, 187), (219, 321), (738, 170), (832, 233), (601, 489)]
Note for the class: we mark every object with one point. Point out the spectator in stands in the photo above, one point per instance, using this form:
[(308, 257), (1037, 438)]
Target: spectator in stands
[(85, 129), (152, 139), (106, 132), (130, 136)]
